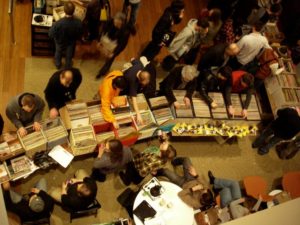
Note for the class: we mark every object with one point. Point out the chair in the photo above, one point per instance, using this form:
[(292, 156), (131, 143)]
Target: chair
[(291, 183), (92, 209), (43, 221), (255, 186)]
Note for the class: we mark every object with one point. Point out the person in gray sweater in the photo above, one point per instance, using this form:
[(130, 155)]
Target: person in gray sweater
[(25, 109), (112, 157)]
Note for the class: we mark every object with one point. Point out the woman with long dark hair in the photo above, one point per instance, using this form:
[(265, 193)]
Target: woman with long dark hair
[(112, 156)]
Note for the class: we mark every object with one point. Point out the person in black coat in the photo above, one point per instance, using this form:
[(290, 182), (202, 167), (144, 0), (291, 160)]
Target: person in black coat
[(208, 82), (65, 32), (1, 124), (172, 15), (61, 88), (116, 30), (284, 127), (33, 206), (180, 78)]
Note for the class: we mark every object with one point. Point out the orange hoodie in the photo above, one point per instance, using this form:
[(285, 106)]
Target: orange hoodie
[(107, 93)]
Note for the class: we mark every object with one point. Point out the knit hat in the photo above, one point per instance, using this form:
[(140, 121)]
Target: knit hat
[(189, 72), (36, 204)]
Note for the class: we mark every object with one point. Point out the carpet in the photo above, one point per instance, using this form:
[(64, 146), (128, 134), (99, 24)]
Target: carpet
[(232, 161)]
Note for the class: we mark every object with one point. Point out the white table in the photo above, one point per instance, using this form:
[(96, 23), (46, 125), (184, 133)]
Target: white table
[(178, 214)]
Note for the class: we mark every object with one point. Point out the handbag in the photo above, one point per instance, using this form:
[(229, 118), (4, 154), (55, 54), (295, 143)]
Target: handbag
[(106, 46)]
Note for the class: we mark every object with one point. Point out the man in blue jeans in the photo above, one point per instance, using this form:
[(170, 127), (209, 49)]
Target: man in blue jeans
[(134, 6), (65, 32), (31, 207), (194, 193)]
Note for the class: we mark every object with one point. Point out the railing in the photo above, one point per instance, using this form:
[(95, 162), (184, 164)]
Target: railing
[(11, 20)]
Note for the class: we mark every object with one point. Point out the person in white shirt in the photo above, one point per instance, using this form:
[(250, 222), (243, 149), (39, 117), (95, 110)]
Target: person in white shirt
[(250, 45)]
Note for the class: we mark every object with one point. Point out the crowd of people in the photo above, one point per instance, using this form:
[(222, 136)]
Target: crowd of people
[(230, 62)]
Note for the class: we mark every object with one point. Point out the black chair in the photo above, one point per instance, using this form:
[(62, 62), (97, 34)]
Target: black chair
[(43, 221), (92, 209)]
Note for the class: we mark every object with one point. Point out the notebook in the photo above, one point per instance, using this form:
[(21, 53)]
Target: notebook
[(144, 210)]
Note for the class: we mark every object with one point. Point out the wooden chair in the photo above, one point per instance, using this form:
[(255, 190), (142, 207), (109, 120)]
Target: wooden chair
[(291, 183), (92, 209), (255, 186)]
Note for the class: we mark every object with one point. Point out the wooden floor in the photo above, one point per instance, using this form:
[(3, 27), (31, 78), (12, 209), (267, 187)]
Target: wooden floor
[(12, 56)]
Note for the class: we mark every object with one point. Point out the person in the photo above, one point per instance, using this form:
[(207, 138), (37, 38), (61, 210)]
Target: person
[(171, 16), (76, 193), (61, 88), (137, 78), (112, 157), (216, 57), (91, 21), (114, 39), (134, 6), (231, 196), (210, 82), (24, 110), (186, 44), (215, 24), (31, 207), (180, 78), (284, 127), (65, 32), (150, 89), (145, 163), (112, 84), (240, 81), (194, 190), (250, 46)]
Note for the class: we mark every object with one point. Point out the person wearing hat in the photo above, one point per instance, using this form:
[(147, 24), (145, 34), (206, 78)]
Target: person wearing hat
[(113, 40), (180, 78), (65, 32), (163, 28), (33, 206), (240, 82), (25, 109)]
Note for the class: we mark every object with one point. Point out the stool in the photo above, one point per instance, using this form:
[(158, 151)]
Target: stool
[(92, 209), (255, 186), (43, 221), (291, 183)]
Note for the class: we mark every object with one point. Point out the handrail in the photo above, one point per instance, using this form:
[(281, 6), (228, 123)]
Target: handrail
[(11, 19)]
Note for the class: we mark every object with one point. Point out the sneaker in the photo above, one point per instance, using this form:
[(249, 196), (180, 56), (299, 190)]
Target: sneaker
[(262, 151), (124, 179)]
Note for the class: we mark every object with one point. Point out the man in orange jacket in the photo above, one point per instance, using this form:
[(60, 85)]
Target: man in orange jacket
[(110, 87)]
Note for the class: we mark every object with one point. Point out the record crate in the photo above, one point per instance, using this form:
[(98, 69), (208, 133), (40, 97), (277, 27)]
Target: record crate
[(55, 132), (83, 140), (33, 142)]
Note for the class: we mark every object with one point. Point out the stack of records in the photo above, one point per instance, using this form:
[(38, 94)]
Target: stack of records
[(78, 114), (287, 64), (55, 132), (201, 109), (158, 102), (183, 111), (253, 111), (142, 102), (220, 112), (237, 105), (83, 140), (148, 121), (3, 174), (95, 114), (125, 131), (124, 120), (162, 115), (103, 136), (19, 167), (120, 104), (34, 141), (4, 149)]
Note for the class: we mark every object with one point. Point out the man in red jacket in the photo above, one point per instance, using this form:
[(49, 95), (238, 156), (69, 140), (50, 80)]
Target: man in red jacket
[(240, 82)]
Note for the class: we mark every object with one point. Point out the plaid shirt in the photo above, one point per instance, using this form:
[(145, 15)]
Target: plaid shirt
[(146, 163)]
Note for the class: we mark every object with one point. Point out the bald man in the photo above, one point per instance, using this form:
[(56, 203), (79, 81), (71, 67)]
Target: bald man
[(137, 78), (61, 88), (217, 57)]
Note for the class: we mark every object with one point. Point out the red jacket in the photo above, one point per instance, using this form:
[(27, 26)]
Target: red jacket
[(236, 81)]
